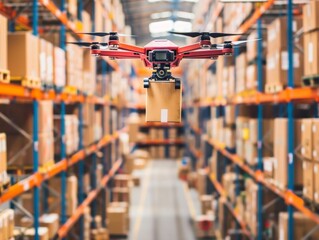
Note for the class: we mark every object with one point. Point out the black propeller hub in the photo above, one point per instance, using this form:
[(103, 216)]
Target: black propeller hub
[(114, 37), (95, 47), (205, 37)]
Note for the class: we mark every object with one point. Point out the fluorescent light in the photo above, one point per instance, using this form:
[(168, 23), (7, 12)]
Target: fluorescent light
[(187, 15), (182, 26), (159, 15), (161, 26)]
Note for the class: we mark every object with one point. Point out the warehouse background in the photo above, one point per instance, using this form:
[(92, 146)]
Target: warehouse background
[(78, 160)]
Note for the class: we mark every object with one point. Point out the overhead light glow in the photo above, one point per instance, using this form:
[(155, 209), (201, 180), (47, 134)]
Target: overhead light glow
[(186, 15), (159, 15), (160, 28)]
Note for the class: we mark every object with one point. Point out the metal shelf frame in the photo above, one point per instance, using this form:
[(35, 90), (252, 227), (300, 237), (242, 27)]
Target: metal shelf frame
[(288, 97)]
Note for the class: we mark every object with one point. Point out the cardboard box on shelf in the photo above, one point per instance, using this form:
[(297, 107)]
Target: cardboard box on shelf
[(231, 81), (308, 179), (230, 115), (268, 163), (252, 47), (206, 203), (310, 16), (302, 226), (173, 152), (117, 220), (161, 152), (121, 194), (311, 53), (306, 138), (25, 45), (59, 67), (163, 102), (281, 152), (4, 43), (241, 75), (7, 223), (315, 139), (86, 20), (252, 77), (316, 181), (201, 181), (29, 233), (172, 133), (133, 123), (3, 156), (123, 180)]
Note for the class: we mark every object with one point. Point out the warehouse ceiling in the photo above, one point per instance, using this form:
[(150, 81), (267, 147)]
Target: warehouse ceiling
[(151, 19)]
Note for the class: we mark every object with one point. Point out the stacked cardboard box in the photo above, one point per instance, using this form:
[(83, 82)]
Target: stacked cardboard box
[(228, 182), (29, 233), (309, 153), (3, 159), (7, 224), (281, 152), (50, 221), (59, 67), (277, 56), (89, 72), (100, 234), (133, 123), (19, 145), (74, 65), (71, 194), (71, 133), (4, 49), (88, 121), (26, 46), (121, 194), (204, 226), (302, 226), (117, 220), (46, 62), (241, 72), (311, 38)]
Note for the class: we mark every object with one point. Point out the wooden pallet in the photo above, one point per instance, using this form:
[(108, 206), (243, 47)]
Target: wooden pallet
[(273, 87), (310, 81), (26, 82), (4, 76)]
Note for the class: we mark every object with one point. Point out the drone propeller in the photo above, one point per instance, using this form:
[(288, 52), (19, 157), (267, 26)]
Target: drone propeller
[(236, 43), (212, 34), (103, 34), (87, 44)]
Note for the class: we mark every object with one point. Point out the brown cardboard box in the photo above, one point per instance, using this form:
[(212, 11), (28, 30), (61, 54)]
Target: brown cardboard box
[(231, 81), (163, 102), (123, 180), (229, 137), (3, 43), (160, 133), (3, 154), (59, 67), (230, 114), (252, 77), (316, 182), (24, 45), (241, 74), (268, 163), (315, 139), (7, 223), (302, 226), (173, 152), (133, 127), (306, 138), (252, 47), (201, 181), (121, 194), (206, 203), (30, 232), (281, 152), (161, 152), (310, 16), (308, 179), (172, 133), (311, 53), (117, 222)]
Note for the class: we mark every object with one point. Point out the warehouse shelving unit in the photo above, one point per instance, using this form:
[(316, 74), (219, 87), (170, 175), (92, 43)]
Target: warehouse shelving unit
[(288, 96), (63, 99)]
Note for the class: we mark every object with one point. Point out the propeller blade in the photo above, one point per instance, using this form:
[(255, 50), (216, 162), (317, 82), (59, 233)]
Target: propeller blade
[(98, 34), (81, 44), (187, 34), (88, 44), (126, 35), (237, 43), (218, 35)]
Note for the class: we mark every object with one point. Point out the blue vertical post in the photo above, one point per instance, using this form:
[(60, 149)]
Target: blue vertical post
[(81, 168), (62, 27), (260, 133), (80, 9), (290, 109), (93, 186), (36, 190), (63, 174)]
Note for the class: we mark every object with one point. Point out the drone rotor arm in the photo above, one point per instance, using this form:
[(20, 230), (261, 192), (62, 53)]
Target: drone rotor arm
[(116, 54)]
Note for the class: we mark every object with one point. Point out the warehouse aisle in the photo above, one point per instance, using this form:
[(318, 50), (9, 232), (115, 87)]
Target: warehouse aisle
[(159, 209)]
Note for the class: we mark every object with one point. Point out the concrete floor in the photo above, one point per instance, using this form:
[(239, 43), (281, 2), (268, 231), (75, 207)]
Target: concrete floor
[(160, 207)]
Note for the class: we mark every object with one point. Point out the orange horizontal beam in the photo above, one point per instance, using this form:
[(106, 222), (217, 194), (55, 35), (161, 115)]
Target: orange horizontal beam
[(161, 142), (63, 231), (285, 96), (12, 15), (15, 91), (289, 197), (37, 178)]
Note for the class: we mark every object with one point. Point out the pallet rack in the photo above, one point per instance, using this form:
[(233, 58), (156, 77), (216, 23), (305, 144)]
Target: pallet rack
[(288, 96), (61, 99)]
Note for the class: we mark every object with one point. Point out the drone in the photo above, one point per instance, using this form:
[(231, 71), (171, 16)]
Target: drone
[(161, 54)]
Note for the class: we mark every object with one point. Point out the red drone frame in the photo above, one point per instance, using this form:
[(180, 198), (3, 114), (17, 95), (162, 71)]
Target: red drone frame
[(162, 54)]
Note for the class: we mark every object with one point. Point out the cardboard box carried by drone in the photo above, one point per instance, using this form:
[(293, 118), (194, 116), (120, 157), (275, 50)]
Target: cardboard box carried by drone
[(163, 102)]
